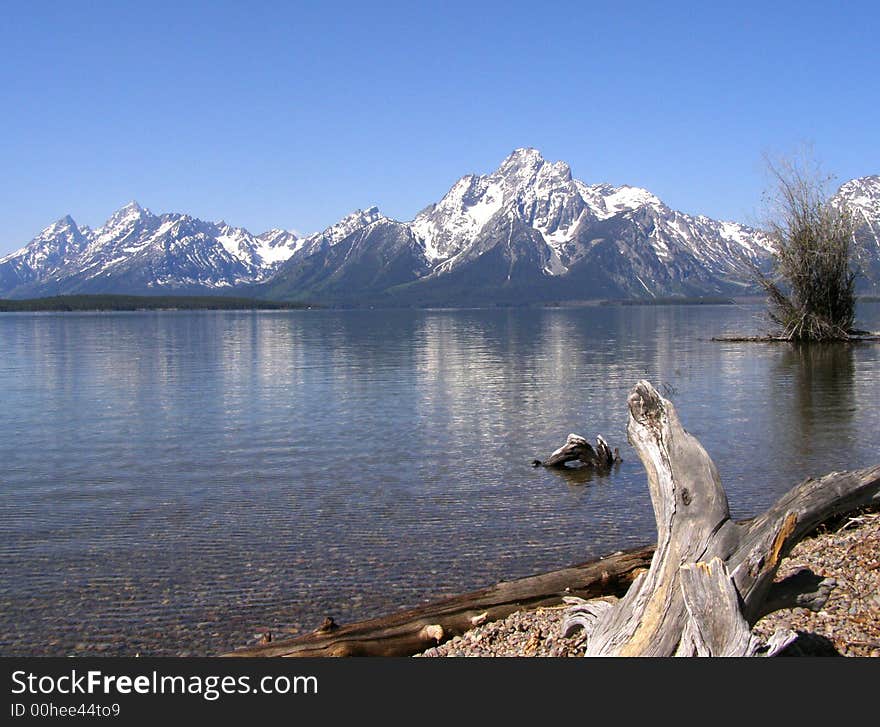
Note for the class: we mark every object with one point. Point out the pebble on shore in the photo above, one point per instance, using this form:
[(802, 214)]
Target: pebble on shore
[(848, 625)]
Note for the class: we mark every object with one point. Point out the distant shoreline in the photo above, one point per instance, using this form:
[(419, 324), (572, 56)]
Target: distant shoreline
[(134, 303), (98, 303), (131, 303)]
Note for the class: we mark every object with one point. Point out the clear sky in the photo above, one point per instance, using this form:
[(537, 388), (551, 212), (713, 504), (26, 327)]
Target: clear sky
[(286, 114)]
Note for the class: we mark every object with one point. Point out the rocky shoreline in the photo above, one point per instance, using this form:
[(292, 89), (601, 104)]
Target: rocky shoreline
[(848, 625)]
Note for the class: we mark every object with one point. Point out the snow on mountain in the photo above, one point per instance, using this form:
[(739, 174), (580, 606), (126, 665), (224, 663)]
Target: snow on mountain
[(46, 254), (862, 197), (52, 247), (135, 250), (566, 212), (276, 246), (524, 187), (138, 251), (134, 231), (526, 231), (336, 233)]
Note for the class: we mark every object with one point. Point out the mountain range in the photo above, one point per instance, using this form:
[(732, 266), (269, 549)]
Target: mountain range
[(528, 232)]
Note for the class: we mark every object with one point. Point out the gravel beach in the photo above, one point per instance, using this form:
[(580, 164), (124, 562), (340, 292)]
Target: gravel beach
[(848, 625)]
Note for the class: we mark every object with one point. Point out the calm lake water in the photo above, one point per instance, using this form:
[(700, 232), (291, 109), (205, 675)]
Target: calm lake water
[(176, 482)]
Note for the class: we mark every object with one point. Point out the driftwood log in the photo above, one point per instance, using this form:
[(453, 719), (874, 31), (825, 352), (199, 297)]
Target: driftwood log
[(710, 578), (578, 449), (409, 632)]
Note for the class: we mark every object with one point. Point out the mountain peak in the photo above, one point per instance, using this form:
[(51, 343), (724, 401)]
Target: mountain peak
[(521, 160), (61, 226), (350, 223), (526, 166), (364, 216), (66, 221), (871, 181), (523, 153), (128, 213), (862, 193)]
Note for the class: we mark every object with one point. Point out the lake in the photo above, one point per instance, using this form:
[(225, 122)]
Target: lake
[(178, 482)]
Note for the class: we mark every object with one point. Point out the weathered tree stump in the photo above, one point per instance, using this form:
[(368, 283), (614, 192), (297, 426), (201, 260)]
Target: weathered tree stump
[(710, 578), (578, 449)]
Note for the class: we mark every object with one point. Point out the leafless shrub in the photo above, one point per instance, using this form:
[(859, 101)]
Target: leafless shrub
[(811, 291)]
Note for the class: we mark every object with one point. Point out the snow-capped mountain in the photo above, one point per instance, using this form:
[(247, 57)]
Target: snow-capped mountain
[(46, 254), (862, 198), (564, 211), (136, 251), (526, 232), (529, 231)]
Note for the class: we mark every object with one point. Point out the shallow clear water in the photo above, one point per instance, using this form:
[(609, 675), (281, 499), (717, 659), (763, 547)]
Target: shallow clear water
[(176, 482)]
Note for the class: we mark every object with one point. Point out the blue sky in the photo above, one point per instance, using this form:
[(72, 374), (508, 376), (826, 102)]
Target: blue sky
[(292, 114)]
